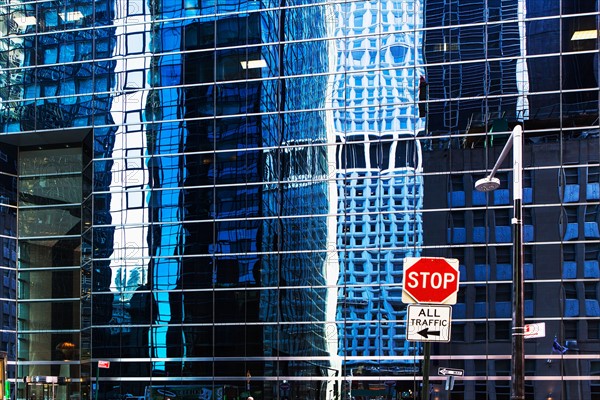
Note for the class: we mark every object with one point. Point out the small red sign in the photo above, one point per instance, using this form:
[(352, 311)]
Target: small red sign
[(103, 364)]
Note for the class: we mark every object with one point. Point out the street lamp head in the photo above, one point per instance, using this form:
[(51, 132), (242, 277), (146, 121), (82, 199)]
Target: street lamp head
[(487, 184)]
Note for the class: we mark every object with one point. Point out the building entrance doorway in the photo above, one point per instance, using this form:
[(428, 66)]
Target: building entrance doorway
[(41, 388), (53, 388)]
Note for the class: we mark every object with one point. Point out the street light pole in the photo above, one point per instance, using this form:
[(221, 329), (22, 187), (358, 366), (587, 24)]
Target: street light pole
[(517, 389)]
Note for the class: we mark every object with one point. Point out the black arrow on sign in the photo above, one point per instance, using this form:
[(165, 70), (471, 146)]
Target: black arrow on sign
[(425, 332)]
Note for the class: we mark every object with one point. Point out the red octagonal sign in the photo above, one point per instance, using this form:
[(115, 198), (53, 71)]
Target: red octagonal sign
[(430, 280)]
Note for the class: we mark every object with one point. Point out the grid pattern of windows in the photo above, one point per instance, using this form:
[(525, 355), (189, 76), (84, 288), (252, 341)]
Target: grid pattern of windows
[(217, 197)]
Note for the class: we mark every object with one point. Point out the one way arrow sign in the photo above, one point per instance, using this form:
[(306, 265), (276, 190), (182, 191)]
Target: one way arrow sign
[(450, 371), (428, 323)]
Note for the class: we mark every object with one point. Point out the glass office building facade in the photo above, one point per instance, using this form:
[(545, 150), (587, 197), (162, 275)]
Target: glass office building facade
[(214, 199)]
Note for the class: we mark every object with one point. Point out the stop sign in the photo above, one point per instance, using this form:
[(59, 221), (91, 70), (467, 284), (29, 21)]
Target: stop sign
[(430, 280)]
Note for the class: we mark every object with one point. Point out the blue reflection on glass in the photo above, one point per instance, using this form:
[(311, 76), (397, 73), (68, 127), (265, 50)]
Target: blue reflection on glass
[(380, 189)]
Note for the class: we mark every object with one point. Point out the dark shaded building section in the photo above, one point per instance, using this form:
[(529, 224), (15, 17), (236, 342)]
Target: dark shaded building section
[(220, 214), (561, 218), (295, 203)]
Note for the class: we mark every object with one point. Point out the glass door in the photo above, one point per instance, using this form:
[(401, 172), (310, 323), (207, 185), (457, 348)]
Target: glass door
[(41, 391)]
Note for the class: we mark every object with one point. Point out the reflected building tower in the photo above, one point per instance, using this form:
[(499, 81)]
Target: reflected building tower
[(212, 214), (376, 121)]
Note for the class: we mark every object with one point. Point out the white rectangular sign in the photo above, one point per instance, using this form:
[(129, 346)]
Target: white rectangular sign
[(428, 323), (450, 371), (532, 331)]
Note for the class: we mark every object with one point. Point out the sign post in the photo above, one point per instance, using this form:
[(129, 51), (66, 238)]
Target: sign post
[(431, 281)]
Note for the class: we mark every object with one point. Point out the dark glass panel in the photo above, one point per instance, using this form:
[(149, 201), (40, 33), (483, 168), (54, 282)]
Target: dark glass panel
[(46, 346), (48, 315), (49, 284), (51, 189), (50, 161), (49, 253), (8, 172), (50, 221)]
